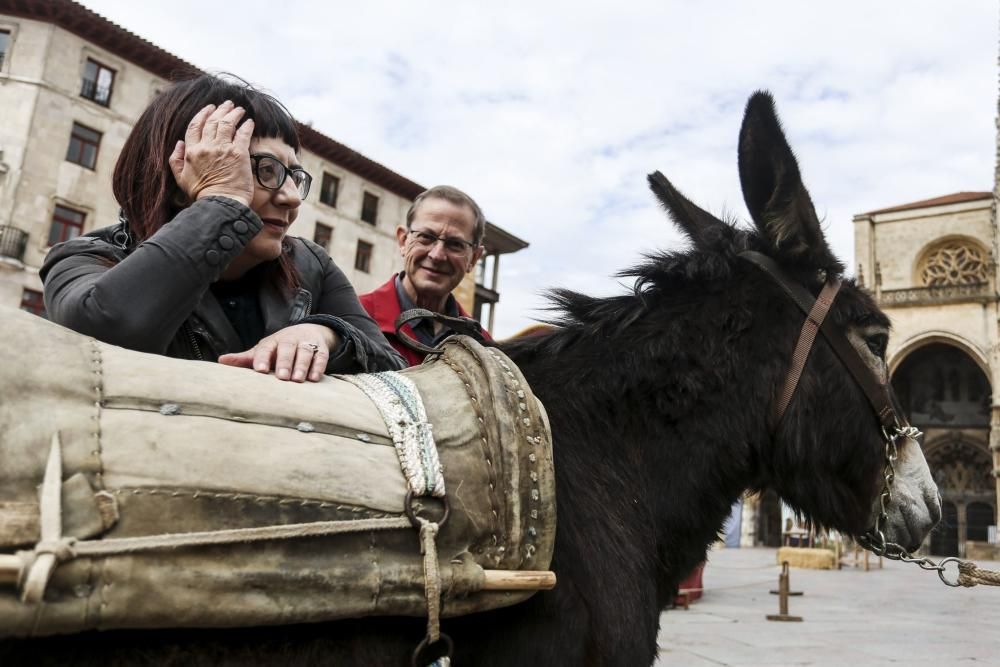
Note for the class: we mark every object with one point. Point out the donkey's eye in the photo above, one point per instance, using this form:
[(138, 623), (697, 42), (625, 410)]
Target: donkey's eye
[(877, 344)]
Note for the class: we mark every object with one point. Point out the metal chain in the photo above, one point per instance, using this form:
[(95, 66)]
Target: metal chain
[(874, 540)]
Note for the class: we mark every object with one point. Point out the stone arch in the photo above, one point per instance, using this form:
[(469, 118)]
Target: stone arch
[(941, 386), (970, 348), (952, 260), (961, 463), (962, 467)]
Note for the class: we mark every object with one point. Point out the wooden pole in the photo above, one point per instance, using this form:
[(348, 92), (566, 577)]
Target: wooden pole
[(518, 580), (493, 580), (10, 569)]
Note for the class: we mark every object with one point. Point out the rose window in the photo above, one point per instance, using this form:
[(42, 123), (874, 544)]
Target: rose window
[(955, 263)]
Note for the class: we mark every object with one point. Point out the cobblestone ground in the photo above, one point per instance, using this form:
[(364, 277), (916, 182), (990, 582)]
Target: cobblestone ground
[(897, 615)]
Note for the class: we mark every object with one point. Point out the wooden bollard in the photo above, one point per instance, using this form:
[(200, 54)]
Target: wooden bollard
[(783, 586)]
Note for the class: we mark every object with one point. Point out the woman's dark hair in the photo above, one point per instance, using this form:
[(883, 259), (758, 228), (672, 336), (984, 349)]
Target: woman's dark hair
[(143, 183)]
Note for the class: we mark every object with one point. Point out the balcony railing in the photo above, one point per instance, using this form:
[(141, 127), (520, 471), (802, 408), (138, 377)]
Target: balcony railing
[(12, 242), (916, 296)]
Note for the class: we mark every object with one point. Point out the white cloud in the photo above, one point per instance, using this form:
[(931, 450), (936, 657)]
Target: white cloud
[(551, 114)]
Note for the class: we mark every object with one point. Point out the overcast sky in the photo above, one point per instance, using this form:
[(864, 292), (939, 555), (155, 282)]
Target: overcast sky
[(550, 114)]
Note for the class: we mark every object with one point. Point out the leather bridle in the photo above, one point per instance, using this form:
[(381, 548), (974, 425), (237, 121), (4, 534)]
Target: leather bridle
[(880, 395)]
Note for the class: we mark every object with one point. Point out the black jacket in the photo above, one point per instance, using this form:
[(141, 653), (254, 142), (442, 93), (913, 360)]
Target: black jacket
[(155, 297)]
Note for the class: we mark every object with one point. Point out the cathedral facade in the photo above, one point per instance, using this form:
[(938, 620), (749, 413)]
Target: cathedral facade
[(931, 267)]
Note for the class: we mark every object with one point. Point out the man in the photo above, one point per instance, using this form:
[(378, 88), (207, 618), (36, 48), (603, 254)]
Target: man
[(440, 243)]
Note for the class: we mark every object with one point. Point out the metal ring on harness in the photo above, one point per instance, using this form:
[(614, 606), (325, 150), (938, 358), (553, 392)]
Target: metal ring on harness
[(942, 567), (411, 513), (424, 645)]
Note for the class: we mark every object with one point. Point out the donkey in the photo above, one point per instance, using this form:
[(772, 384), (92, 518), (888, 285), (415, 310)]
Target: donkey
[(661, 403)]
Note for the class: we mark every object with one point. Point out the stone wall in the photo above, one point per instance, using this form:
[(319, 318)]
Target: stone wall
[(40, 95)]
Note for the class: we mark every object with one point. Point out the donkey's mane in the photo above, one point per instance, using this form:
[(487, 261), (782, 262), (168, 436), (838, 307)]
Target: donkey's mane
[(665, 276), (660, 274)]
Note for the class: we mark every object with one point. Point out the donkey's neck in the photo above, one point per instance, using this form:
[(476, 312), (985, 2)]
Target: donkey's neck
[(663, 412)]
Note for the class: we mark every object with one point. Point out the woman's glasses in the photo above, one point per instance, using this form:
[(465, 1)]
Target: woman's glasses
[(271, 174)]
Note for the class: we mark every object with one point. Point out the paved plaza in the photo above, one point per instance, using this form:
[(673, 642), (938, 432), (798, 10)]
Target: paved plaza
[(899, 615)]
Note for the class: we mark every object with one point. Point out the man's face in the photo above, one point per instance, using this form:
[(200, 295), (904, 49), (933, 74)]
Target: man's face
[(432, 269)]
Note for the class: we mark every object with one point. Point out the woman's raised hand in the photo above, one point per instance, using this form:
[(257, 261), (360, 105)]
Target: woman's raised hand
[(214, 157), (297, 353)]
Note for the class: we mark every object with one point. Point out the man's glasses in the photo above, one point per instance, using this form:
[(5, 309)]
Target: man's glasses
[(271, 174), (452, 245)]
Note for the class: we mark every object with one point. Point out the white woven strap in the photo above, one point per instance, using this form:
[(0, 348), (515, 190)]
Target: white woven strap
[(398, 401)]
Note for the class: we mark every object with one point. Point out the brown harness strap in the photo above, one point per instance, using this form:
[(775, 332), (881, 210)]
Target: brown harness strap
[(461, 325), (802, 348), (879, 394)]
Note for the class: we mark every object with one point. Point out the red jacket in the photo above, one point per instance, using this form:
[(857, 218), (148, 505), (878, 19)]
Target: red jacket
[(384, 307)]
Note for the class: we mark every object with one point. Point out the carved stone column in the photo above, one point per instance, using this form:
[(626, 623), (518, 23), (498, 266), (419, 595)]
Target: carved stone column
[(995, 448)]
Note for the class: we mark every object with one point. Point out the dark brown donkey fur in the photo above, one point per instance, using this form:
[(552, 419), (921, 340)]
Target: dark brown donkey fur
[(658, 401)]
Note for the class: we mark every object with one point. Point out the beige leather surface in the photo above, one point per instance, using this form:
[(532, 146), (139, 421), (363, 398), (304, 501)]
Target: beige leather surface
[(183, 446)]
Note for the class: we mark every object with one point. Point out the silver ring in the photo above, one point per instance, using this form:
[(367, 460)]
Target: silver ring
[(310, 346)]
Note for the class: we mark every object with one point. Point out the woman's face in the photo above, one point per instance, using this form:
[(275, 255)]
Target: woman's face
[(276, 208)]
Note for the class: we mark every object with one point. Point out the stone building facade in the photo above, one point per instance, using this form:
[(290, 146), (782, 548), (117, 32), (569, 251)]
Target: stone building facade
[(72, 84), (931, 267)]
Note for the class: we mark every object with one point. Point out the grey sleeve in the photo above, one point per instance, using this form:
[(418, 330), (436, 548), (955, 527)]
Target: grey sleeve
[(140, 300), (363, 349)]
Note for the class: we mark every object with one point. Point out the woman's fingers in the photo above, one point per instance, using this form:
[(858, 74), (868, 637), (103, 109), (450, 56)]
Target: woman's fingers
[(176, 160), (238, 359), (196, 127), (318, 367), (215, 160), (304, 354), (226, 127), (297, 353), (241, 140), (300, 361), (284, 359), (211, 128)]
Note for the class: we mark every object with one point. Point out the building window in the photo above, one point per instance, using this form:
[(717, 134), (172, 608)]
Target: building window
[(67, 223), (331, 186), (4, 46), (31, 301), (955, 263), (369, 208), (322, 235), (363, 257), (98, 82), (83, 145)]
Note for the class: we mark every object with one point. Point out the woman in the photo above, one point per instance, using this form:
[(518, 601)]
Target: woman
[(200, 266)]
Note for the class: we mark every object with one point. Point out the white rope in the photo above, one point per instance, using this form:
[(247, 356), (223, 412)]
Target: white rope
[(398, 401)]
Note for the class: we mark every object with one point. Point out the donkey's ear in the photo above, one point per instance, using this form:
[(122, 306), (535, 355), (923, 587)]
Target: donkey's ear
[(773, 191), (695, 222)]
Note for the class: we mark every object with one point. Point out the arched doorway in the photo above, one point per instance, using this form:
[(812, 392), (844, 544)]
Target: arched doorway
[(938, 385), (947, 396), (944, 539), (978, 519)]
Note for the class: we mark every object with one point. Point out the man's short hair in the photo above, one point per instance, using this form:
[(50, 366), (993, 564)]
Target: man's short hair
[(455, 196)]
